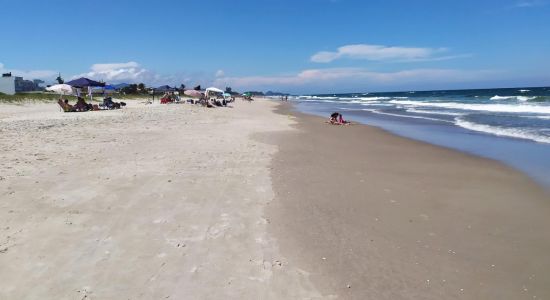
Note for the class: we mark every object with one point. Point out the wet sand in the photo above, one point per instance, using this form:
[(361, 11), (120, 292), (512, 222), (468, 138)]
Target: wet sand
[(375, 216)]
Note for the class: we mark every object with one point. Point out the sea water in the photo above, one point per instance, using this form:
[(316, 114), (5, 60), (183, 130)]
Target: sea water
[(511, 125)]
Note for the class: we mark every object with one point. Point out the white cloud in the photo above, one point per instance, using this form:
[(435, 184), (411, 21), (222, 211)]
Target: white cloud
[(119, 72), (133, 72), (382, 53), (220, 73), (354, 77), (32, 74)]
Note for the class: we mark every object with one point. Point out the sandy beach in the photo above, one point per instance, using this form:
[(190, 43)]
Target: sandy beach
[(255, 201), (148, 202)]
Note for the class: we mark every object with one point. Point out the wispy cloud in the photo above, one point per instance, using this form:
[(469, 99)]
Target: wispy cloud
[(119, 72), (30, 74), (529, 3), (383, 53), (356, 77)]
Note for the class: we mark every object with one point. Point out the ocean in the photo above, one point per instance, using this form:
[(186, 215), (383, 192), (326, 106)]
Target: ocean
[(511, 125)]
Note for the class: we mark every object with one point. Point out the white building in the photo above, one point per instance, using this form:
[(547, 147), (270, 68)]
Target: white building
[(7, 85)]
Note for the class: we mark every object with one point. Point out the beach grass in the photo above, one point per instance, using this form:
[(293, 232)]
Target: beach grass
[(31, 97), (52, 97)]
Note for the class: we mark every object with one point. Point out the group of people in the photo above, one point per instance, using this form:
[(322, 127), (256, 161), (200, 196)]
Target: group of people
[(82, 105), (169, 97), (218, 101), (215, 102)]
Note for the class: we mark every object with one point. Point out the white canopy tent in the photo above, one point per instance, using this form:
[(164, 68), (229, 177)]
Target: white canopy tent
[(213, 90)]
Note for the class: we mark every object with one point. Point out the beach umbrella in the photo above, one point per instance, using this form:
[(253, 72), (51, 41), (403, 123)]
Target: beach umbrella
[(62, 89), (193, 93)]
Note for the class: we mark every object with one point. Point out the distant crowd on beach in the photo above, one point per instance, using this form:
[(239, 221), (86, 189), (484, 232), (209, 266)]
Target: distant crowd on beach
[(210, 97), (205, 99)]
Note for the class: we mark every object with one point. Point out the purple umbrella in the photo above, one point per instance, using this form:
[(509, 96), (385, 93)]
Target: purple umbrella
[(84, 82)]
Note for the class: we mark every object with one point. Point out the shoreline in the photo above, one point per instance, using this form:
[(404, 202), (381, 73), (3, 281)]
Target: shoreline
[(529, 157), (396, 218)]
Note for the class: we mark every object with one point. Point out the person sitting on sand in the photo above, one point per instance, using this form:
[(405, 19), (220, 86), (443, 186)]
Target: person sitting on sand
[(81, 105), (64, 103), (110, 104), (336, 118)]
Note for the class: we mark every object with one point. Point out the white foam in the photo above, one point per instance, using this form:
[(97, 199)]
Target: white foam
[(366, 98), (537, 117), (501, 131), (497, 97), (405, 116), (524, 91), (316, 98), (509, 108), (520, 98), (434, 112)]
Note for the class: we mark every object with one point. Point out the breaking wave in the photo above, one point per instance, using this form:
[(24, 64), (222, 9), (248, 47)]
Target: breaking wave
[(508, 108), (502, 131)]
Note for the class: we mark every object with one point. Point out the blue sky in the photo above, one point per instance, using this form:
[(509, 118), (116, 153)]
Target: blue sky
[(300, 46)]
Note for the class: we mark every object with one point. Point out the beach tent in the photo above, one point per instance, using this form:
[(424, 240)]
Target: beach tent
[(84, 82), (213, 90), (62, 89)]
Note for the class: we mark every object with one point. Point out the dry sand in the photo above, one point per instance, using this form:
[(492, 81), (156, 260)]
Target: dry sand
[(375, 216), (147, 202)]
